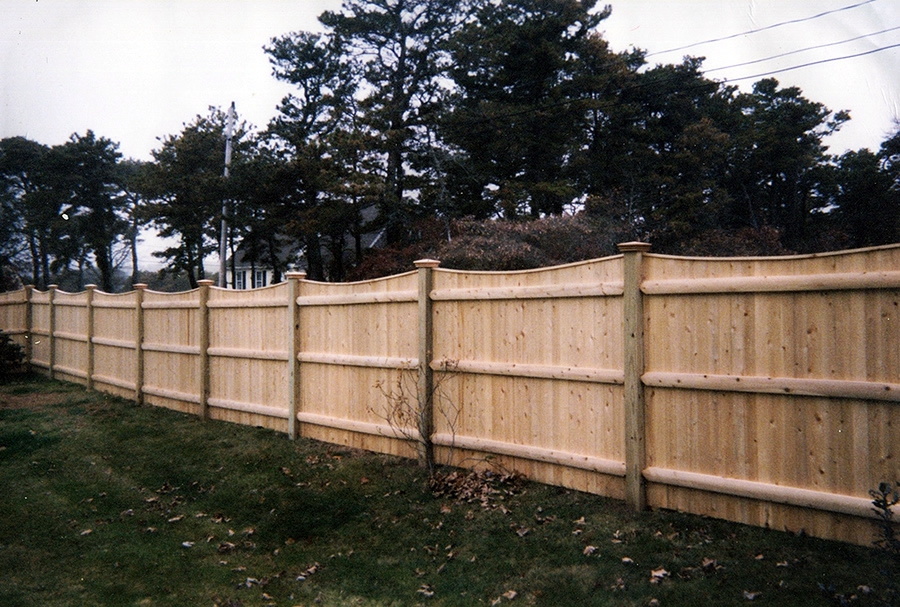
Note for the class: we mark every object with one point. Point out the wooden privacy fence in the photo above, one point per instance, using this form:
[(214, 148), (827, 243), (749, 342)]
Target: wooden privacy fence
[(759, 390)]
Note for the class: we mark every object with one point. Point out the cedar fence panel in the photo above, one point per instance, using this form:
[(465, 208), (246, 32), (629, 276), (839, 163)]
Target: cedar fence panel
[(14, 321), (775, 387), (353, 337), (115, 340), (70, 336), (249, 350), (539, 371), (41, 349), (172, 350), (760, 390)]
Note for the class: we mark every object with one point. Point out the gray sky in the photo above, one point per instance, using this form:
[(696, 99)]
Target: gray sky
[(137, 70)]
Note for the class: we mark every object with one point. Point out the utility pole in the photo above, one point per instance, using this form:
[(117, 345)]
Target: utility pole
[(223, 237)]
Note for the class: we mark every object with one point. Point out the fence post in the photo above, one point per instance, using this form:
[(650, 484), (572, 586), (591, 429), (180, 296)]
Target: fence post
[(425, 384), (139, 290), (294, 405), (635, 440), (90, 289), (204, 347), (51, 342), (29, 326)]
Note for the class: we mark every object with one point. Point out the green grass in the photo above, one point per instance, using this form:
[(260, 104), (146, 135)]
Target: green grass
[(103, 502)]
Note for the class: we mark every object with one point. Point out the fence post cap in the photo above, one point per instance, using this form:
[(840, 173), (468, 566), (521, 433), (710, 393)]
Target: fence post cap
[(298, 275), (427, 263), (140, 286), (634, 247), (206, 282)]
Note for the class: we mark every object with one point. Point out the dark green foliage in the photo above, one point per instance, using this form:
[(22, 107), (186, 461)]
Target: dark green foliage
[(66, 206), (883, 499), (12, 356)]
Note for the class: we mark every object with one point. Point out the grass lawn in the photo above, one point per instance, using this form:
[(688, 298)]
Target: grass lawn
[(103, 502)]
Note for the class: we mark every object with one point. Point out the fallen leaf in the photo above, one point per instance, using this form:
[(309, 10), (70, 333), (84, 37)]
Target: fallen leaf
[(658, 575), (619, 585), (510, 595), (87, 532), (268, 597), (782, 564), (426, 591), (750, 596), (187, 544), (627, 561), (759, 557), (226, 547), (579, 521), (589, 550), (175, 519)]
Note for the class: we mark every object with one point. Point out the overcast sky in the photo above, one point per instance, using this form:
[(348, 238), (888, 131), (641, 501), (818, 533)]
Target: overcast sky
[(137, 70)]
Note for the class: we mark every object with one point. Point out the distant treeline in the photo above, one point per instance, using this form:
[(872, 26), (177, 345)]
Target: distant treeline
[(487, 134)]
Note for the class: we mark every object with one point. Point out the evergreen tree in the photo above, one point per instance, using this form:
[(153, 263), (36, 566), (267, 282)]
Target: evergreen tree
[(778, 160), (395, 48), (185, 188), (94, 204), (521, 102), (27, 206)]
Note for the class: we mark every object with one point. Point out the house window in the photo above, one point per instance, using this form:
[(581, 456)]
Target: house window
[(240, 279), (259, 279)]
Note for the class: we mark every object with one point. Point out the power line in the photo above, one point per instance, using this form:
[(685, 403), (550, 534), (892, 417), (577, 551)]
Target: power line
[(811, 63), (802, 50), (762, 29)]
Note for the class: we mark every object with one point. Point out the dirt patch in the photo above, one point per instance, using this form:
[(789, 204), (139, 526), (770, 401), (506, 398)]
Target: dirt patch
[(31, 401)]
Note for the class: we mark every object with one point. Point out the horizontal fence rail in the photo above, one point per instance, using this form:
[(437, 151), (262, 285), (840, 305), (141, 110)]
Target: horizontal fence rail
[(759, 390)]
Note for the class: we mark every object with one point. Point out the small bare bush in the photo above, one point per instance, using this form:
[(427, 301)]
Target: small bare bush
[(409, 413)]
